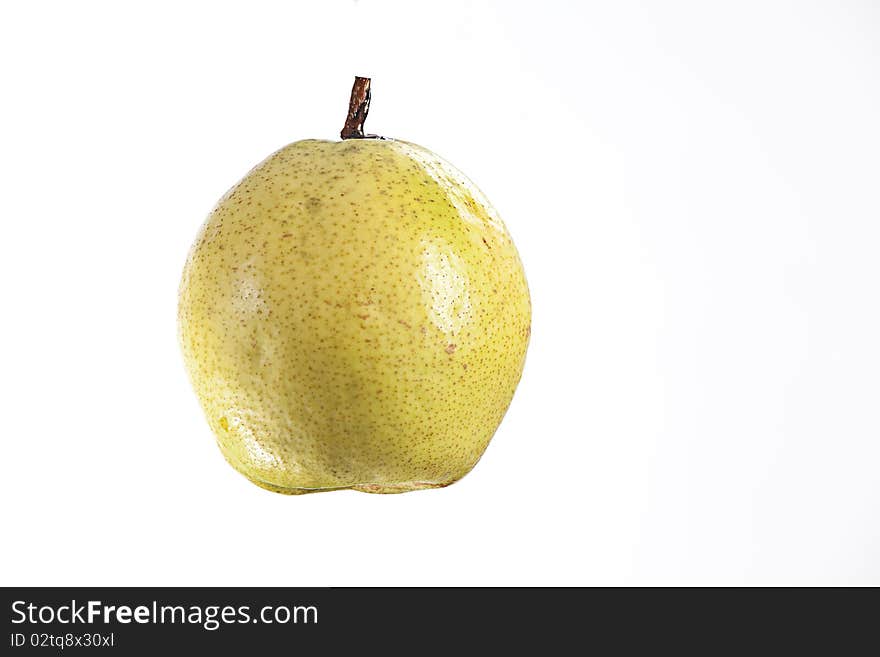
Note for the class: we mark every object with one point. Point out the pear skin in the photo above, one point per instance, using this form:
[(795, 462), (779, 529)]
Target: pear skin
[(353, 315)]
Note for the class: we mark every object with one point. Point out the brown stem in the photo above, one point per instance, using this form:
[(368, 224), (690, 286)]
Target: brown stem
[(358, 107)]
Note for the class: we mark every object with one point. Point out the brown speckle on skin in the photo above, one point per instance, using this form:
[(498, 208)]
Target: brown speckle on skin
[(450, 348)]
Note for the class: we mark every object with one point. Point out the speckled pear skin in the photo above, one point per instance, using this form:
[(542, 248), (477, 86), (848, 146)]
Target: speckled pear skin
[(353, 315)]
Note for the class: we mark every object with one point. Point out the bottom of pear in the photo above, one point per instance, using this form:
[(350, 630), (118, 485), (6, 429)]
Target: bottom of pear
[(375, 488), (381, 489), (390, 489)]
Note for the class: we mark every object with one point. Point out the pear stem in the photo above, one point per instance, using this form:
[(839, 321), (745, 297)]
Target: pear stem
[(358, 108)]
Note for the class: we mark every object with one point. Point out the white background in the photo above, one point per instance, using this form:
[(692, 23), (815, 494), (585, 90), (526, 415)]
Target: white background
[(693, 188)]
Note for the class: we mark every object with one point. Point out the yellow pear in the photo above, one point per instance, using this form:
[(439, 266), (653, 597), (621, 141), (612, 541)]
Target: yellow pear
[(354, 315)]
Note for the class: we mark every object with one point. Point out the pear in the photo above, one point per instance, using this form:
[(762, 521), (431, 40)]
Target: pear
[(353, 315)]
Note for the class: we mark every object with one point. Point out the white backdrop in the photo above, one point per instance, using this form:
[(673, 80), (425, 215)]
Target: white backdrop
[(693, 188)]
